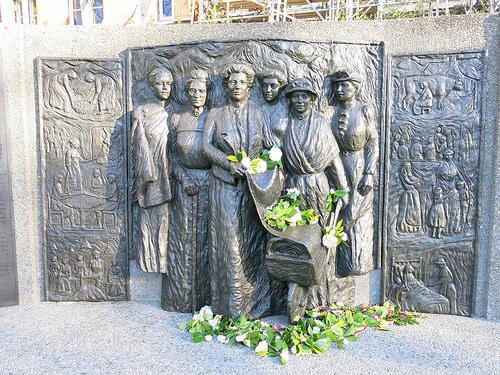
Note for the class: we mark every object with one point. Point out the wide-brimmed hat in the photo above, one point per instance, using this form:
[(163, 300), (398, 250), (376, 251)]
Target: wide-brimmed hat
[(300, 84), (346, 75)]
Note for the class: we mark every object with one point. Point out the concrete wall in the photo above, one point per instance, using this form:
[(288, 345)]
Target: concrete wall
[(20, 46)]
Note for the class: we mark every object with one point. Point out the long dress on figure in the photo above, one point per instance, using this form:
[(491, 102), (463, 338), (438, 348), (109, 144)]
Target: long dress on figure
[(236, 237), (409, 218), (357, 137), (309, 151), (186, 284), (152, 169)]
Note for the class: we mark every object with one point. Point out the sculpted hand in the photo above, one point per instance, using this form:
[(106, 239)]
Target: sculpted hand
[(366, 184), (237, 170), (190, 187)]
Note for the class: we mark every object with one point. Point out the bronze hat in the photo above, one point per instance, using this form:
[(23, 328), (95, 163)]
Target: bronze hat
[(300, 84), (346, 75)]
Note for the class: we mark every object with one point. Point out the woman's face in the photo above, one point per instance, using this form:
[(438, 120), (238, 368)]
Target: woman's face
[(238, 87), (197, 93), (301, 101), (345, 90), (162, 86), (270, 88)]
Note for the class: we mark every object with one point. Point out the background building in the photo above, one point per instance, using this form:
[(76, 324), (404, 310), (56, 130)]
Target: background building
[(140, 12)]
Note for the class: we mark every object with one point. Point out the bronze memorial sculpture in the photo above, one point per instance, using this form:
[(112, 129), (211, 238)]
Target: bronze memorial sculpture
[(218, 137)]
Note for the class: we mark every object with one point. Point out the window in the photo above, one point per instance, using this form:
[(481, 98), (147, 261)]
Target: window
[(165, 11), (33, 12), (97, 11), (18, 12), (77, 12)]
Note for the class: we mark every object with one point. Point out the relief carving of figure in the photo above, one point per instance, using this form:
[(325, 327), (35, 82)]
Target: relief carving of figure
[(447, 177), (186, 283), (409, 219), (437, 215), (236, 238), (73, 181), (313, 165), (152, 170), (423, 104), (442, 281), (275, 109), (353, 125)]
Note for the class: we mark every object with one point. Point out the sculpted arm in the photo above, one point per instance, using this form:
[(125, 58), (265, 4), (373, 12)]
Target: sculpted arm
[(371, 153), (180, 173), (216, 156)]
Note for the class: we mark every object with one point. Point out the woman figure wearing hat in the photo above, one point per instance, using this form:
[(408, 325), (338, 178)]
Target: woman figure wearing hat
[(313, 166), (354, 128), (186, 283)]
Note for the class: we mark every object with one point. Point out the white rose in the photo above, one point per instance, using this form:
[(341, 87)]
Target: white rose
[(285, 355), (316, 330), (293, 190), (261, 347), (275, 154), (296, 217), (329, 241), (206, 313), (213, 323), (332, 191), (344, 236), (222, 339), (241, 338), (261, 166), (245, 162), (208, 338), (196, 317)]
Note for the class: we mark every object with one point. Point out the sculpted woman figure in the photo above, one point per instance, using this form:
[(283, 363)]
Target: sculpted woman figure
[(236, 238), (312, 164), (186, 284), (353, 125), (151, 167)]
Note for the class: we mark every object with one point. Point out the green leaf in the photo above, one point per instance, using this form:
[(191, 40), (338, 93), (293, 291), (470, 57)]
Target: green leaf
[(233, 158)]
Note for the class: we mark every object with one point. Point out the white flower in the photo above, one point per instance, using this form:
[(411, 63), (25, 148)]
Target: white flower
[(285, 355), (214, 322), (332, 191), (296, 217), (278, 337), (241, 338), (261, 166), (275, 154), (344, 236), (316, 330), (314, 315), (208, 338), (196, 317), (265, 324), (261, 347), (293, 190), (294, 350), (222, 339), (245, 162), (206, 313), (247, 342), (329, 241)]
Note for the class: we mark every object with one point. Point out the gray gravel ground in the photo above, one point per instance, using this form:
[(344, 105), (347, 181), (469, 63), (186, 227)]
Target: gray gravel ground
[(135, 338)]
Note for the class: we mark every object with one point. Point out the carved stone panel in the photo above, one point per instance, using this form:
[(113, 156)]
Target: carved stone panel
[(83, 168), (432, 181), (8, 277)]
